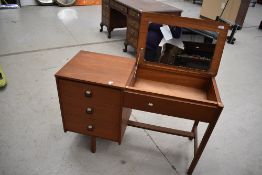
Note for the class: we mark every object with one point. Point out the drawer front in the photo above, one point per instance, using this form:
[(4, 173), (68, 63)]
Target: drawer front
[(105, 14), (105, 10), (134, 13), (102, 121), (132, 37), (133, 23), (77, 91), (119, 7), (170, 107), (132, 32)]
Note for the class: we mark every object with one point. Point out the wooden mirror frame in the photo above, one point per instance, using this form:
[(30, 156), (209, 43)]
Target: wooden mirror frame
[(200, 24)]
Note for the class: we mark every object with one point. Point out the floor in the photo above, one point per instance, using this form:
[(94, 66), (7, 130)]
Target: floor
[(35, 42)]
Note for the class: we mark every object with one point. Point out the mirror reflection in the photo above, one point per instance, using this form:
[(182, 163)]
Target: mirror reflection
[(180, 46)]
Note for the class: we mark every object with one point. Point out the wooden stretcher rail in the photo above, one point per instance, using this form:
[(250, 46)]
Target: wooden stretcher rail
[(161, 129)]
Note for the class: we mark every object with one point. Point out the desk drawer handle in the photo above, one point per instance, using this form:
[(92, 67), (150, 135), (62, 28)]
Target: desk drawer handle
[(150, 104), (90, 127), (89, 110), (88, 93)]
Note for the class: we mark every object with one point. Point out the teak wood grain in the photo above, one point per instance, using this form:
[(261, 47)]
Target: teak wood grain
[(177, 92), (91, 72), (84, 68)]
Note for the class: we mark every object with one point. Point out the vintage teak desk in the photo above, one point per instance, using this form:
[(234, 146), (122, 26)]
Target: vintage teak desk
[(126, 13), (98, 91)]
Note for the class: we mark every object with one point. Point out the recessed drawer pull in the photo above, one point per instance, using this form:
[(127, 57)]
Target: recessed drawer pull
[(150, 104), (89, 110), (90, 127), (88, 93)]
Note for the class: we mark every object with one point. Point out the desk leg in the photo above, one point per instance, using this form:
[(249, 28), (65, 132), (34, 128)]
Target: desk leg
[(109, 30), (101, 27), (125, 47), (201, 147), (194, 127), (93, 144)]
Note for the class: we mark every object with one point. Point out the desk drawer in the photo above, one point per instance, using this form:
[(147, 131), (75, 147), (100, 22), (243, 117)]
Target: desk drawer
[(87, 93), (103, 121), (132, 32), (168, 106), (121, 8), (132, 36), (133, 23), (134, 13)]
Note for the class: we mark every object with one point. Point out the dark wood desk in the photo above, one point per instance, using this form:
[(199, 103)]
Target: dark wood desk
[(127, 13)]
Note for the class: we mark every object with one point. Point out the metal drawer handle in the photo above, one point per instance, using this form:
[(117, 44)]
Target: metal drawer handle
[(90, 127), (88, 93), (150, 104), (89, 110)]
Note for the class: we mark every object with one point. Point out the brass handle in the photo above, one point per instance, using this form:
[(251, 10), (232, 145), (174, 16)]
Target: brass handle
[(90, 127), (89, 110), (88, 93), (150, 104)]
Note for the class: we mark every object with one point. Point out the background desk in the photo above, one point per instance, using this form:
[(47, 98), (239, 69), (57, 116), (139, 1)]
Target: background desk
[(126, 13)]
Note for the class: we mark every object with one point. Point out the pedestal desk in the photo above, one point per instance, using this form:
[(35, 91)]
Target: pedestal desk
[(127, 13), (98, 91)]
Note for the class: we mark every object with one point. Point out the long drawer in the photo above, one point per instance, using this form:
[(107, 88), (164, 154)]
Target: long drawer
[(172, 107)]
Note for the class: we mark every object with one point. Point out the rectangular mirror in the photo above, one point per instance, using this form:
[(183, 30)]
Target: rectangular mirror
[(190, 48), (181, 43)]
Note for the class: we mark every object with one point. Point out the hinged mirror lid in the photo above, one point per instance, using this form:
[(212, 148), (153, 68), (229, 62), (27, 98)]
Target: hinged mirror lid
[(196, 46)]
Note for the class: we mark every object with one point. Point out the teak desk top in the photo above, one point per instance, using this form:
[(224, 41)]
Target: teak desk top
[(83, 67)]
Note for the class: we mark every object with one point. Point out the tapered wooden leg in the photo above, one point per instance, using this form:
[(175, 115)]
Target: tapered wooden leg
[(193, 128), (195, 139), (201, 147), (93, 144)]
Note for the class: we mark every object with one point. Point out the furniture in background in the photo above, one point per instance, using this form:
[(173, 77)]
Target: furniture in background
[(126, 13), (235, 11), (97, 91)]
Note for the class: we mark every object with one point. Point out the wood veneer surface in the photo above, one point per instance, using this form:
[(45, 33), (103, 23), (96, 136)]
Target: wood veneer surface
[(84, 67), (170, 89)]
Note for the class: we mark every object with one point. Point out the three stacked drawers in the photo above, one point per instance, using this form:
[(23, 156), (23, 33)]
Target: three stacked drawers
[(90, 109)]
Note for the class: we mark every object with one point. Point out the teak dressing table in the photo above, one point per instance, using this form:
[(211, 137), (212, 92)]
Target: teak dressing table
[(127, 13), (98, 91)]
